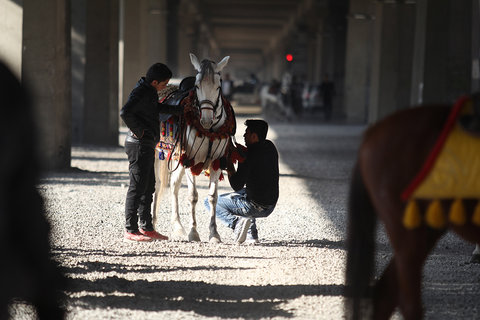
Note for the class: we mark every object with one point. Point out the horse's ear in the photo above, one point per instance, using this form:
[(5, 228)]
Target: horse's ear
[(194, 60), (222, 64)]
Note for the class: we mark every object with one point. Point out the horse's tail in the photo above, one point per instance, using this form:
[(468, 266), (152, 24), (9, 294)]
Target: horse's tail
[(161, 183), (361, 248)]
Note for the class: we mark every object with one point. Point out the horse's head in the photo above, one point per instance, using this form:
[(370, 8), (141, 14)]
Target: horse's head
[(208, 89)]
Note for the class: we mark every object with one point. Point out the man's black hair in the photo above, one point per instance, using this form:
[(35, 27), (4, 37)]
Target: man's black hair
[(259, 127), (159, 72)]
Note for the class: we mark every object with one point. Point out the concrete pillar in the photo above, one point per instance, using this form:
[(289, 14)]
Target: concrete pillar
[(144, 39), (392, 59), (188, 31), (333, 51), (445, 53), (358, 61), (78, 34), (475, 46), (46, 71), (101, 73), (11, 18)]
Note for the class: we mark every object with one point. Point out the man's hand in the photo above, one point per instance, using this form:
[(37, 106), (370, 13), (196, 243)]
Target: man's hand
[(231, 169)]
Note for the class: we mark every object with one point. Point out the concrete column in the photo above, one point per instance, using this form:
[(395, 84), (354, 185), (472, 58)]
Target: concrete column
[(188, 31), (46, 71), (144, 39), (392, 59), (333, 51), (11, 18), (445, 53), (101, 73), (475, 46), (78, 68), (358, 61)]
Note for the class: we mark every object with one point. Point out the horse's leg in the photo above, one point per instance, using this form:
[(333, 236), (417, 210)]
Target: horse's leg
[(385, 295), (476, 254), (212, 200), (193, 198), (403, 279), (362, 222), (178, 232), (156, 197)]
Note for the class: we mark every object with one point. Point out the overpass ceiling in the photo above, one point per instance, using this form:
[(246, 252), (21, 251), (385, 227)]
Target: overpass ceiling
[(246, 28)]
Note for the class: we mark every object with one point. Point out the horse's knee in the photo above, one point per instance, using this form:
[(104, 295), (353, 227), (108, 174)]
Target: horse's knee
[(193, 197), (212, 199)]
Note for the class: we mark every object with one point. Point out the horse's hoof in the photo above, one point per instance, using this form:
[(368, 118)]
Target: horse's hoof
[(475, 258), (215, 240), (193, 236), (178, 234)]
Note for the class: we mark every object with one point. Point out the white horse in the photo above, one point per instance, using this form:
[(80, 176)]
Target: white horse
[(209, 124)]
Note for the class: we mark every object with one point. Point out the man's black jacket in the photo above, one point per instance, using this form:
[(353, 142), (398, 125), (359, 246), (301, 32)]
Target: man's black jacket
[(141, 113), (258, 173)]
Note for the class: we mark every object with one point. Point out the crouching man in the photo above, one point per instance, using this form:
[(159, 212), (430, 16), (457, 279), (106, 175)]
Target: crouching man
[(255, 183)]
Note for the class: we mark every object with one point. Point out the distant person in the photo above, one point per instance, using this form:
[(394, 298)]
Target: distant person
[(227, 87), (27, 270), (296, 88), (255, 184), (327, 89), (141, 115), (253, 80)]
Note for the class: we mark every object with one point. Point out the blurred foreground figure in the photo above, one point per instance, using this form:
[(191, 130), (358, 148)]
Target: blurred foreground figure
[(26, 271)]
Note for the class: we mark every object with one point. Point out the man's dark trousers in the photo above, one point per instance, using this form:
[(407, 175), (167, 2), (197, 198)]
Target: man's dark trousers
[(141, 159)]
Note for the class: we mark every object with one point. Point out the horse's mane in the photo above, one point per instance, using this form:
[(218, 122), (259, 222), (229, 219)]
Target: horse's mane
[(206, 70)]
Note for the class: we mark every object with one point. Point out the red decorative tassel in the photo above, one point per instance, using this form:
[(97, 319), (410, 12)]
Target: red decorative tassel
[(216, 165), (197, 169), (183, 157)]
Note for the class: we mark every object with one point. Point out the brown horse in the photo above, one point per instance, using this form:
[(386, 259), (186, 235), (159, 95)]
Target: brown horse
[(392, 153)]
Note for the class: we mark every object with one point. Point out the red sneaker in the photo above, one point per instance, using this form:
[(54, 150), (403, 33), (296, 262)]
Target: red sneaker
[(136, 236), (153, 234)]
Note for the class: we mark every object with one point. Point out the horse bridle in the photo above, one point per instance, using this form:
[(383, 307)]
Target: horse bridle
[(213, 105)]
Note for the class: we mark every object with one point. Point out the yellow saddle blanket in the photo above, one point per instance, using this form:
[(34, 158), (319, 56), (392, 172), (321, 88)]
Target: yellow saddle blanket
[(456, 171), (453, 174)]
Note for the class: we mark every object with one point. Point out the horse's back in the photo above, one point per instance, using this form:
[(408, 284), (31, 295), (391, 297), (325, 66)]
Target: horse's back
[(394, 149)]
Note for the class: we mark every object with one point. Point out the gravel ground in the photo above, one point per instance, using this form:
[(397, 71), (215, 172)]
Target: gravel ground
[(297, 271)]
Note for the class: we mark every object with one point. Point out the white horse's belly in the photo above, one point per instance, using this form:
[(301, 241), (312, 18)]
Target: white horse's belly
[(202, 149)]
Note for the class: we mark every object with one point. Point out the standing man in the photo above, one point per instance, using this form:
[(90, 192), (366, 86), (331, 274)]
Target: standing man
[(327, 88), (141, 115), (255, 184)]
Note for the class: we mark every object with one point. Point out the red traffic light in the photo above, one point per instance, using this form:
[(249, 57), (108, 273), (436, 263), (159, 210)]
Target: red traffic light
[(289, 57)]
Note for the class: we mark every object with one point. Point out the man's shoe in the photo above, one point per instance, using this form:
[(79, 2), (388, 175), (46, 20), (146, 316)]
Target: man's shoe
[(154, 235), (252, 239), (136, 236), (241, 229)]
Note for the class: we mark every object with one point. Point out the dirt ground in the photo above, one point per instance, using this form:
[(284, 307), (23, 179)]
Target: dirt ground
[(296, 272)]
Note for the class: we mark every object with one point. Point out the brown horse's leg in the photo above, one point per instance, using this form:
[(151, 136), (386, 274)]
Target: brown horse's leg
[(386, 293), (409, 265)]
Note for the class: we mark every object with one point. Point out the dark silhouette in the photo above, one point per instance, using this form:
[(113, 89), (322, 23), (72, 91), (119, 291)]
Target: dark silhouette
[(27, 271)]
